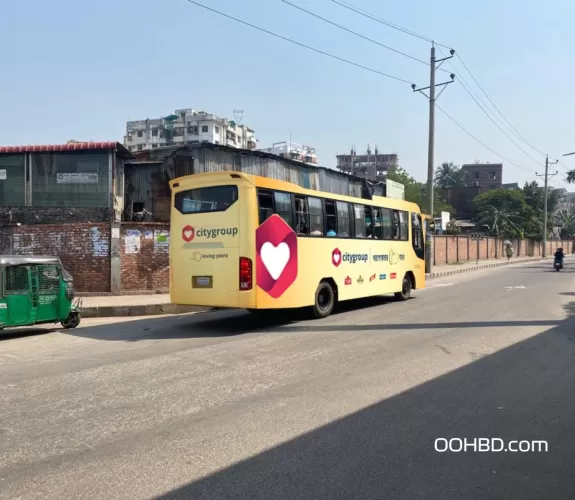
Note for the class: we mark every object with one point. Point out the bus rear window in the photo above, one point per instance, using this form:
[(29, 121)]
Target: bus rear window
[(207, 199)]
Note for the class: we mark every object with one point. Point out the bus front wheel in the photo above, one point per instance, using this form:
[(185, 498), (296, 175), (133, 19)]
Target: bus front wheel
[(405, 289), (324, 300)]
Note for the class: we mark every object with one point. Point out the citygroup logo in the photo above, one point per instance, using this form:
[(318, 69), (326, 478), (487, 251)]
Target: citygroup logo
[(351, 258), (276, 256), (210, 233)]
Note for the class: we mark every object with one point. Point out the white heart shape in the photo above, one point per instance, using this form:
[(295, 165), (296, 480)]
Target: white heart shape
[(274, 258), (336, 257), (187, 234)]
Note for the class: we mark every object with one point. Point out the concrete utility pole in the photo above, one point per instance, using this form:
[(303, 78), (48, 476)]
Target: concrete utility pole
[(434, 65), (546, 180)]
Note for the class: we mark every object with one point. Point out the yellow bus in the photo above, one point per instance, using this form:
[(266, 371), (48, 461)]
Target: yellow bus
[(244, 241)]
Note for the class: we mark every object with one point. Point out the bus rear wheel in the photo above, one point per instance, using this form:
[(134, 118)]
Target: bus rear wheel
[(405, 289), (324, 300)]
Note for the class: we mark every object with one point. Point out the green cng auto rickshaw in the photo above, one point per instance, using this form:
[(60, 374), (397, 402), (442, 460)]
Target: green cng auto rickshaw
[(35, 290)]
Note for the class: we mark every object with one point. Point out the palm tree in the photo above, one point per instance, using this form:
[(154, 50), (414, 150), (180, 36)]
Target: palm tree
[(448, 175), (500, 221), (571, 176), (566, 222)]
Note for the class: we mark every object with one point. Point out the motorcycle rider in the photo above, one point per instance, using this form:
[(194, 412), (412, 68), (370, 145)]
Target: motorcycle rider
[(560, 255)]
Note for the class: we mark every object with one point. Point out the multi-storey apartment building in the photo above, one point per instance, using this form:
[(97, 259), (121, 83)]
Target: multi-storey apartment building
[(187, 126)]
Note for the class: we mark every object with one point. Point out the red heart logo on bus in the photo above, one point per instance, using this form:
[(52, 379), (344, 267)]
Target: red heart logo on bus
[(188, 233), (336, 257), (276, 256)]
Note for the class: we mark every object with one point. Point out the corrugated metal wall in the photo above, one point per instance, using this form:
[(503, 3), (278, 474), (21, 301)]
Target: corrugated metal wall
[(147, 183)]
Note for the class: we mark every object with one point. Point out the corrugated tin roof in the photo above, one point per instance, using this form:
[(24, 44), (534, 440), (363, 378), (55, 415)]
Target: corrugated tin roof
[(71, 146)]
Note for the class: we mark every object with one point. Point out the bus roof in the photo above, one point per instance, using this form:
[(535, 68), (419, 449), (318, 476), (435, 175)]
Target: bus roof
[(280, 185)]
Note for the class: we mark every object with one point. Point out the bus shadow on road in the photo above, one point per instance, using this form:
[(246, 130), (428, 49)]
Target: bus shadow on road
[(387, 450), (223, 323)]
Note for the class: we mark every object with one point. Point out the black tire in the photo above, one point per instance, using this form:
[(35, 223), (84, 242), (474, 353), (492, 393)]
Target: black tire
[(324, 300), (72, 321), (405, 289)]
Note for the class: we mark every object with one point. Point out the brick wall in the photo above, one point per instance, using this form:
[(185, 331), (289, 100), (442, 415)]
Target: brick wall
[(453, 249), (56, 215), (83, 248), (145, 258)]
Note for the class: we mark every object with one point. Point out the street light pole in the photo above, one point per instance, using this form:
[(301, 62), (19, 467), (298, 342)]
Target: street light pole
[(546, 179), (434, 64)]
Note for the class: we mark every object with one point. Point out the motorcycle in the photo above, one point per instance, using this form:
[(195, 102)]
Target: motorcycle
[(558, 265)]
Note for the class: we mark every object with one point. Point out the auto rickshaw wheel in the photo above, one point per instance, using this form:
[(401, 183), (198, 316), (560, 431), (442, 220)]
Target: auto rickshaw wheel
[(72, 321)]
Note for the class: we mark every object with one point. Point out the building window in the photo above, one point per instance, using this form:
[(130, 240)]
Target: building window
[(217, 129), (140, 133), (12, 183), (193, 129), (204, 129), (493, 175), (477, 175), (70, 179), (140, 147), (155, 132)]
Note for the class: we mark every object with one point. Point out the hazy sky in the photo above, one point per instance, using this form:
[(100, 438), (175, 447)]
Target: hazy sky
[(80, 70)]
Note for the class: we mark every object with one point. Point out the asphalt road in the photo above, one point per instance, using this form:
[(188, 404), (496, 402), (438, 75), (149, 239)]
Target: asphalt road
[(217, 405)]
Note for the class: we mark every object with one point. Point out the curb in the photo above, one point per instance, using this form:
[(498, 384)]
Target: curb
[(168, 308), (441, 274), (139, 310)]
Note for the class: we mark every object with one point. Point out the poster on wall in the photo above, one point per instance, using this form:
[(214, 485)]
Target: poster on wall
[(77, 178), (161, 240), (148, 235), (132, 241), (2, 174)]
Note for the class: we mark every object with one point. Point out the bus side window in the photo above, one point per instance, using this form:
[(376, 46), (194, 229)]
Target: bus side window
[(417, 231), (385, 223), (284, 207), (330, 218), (369, 222), (266, 205), (394, 224), (359, 216), (376, 221), (302, 215), (403, 226), (315, 216), (343, 219)]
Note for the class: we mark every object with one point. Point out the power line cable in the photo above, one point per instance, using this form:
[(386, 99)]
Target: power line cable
[(365, 13), (358, 34), (369, 15), (483, 107), (295, 42), (478, 141), (497, 109)]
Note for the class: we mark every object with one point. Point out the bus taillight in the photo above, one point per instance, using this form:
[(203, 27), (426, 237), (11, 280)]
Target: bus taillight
[(245, 273)]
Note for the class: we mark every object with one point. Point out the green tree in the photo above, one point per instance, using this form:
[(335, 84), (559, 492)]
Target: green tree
[(448, 175), (571, 176), (504, 211), (416, 191), (535, 198), (566, 222), (413, 190)]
